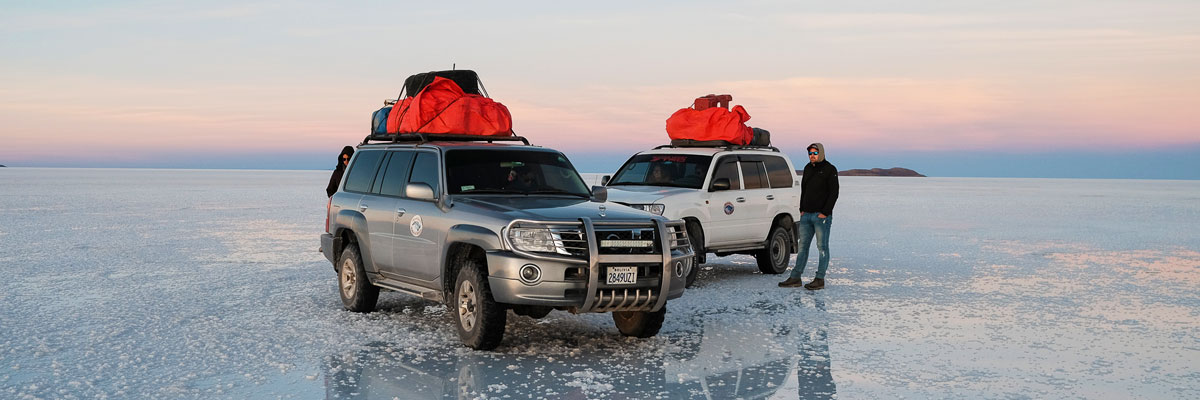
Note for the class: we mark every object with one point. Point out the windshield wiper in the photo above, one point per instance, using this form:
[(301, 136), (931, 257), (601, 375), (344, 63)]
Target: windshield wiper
[(586, 196), (489, 191)]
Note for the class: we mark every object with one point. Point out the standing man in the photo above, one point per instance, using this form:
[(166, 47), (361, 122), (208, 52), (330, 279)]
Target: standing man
[(818, 193)]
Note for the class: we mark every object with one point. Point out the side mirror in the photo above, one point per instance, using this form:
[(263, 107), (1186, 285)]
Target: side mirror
[(604, 180), (719, 184), (419, 191), (599, 194)]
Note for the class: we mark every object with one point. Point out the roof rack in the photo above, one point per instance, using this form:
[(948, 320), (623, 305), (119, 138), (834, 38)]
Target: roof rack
[(727, 147), (422, 138)]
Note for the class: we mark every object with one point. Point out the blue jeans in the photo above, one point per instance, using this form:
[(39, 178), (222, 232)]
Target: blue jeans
[(808, 227)]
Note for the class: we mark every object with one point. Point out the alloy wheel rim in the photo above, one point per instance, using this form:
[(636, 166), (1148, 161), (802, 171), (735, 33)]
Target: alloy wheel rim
[(466, 305), (348, 278)]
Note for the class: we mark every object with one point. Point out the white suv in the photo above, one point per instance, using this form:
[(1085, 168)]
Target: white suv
[(735, 199)]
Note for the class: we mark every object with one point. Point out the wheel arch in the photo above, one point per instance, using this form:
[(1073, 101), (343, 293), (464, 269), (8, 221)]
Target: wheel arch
[(351, 227)]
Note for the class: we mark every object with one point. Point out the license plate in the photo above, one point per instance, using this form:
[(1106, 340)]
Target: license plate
[(622, 275)]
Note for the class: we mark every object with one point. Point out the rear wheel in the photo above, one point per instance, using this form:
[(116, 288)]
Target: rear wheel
[(774, 259), (642, 324), (480, 319), (696, 237), (358, 294)]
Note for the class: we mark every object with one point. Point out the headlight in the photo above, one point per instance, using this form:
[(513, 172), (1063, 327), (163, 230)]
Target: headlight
[(532, 239), (651, 208)]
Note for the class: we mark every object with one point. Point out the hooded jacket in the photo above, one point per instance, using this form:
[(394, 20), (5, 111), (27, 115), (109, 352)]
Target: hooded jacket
[(819, 186), (336, 178)]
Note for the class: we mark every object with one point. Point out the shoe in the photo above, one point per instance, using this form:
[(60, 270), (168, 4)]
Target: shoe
[(816, 284), (791, 282)]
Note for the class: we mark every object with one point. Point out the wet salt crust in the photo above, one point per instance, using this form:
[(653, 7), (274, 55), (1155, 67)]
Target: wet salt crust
[(207, 284)]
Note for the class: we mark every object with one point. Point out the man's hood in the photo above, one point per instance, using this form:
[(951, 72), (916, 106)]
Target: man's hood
[(820, 151), (632, 194), (551, 208)]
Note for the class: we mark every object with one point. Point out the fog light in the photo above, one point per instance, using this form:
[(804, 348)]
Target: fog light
[(680, 269), (530, 274)]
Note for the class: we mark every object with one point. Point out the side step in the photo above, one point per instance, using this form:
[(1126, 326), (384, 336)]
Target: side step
[(410, 289)]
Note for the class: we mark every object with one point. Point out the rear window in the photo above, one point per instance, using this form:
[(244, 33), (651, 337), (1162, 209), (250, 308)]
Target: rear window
[(754, 174), (778, 172), (396, 173), (362, 171)]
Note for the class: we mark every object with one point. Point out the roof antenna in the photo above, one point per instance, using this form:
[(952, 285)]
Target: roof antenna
[(453, 66)]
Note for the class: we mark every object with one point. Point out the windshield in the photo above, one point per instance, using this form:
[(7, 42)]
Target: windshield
[(678, 170), (512, 172)]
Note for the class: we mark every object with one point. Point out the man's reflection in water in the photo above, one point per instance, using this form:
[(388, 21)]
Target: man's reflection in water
[(812, 372)]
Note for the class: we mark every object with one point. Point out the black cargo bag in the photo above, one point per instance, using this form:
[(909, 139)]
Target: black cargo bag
[(762, 137), (466, 79)]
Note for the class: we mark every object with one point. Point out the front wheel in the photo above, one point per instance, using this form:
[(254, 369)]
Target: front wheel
[(358, 294), (774, 259), (480, 319), (642, 324)]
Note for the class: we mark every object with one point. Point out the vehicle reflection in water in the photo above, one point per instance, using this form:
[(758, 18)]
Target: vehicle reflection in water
[(749, 354)]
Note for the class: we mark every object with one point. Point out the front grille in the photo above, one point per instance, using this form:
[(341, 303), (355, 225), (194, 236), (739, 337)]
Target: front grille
[(627, 241), (573, 240)]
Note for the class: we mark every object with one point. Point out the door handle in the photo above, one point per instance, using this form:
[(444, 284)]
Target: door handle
[(741, 199), (770, 197), (400, 212), (362, 207)]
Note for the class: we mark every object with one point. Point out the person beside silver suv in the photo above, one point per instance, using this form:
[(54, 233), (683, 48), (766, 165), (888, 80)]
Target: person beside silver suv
[(486, 227)]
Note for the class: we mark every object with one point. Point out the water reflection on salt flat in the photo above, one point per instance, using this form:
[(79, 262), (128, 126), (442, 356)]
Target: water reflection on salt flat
[(714, 355)]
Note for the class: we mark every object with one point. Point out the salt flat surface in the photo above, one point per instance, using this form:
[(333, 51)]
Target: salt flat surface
[(208, 284)]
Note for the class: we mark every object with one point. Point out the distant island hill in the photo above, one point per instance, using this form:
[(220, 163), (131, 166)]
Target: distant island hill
[(897, 171)]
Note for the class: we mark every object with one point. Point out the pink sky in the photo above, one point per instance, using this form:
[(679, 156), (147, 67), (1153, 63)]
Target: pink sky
[(128, 80)]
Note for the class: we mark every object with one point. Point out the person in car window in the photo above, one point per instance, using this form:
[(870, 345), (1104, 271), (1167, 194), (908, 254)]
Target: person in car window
[(658, 174), (818, 193), (336, 178)]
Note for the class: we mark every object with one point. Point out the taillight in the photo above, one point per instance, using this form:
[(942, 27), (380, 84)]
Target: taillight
[(328, 207)]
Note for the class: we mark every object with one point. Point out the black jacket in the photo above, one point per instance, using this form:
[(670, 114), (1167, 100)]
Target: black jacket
[(336, 178), (819, 188)]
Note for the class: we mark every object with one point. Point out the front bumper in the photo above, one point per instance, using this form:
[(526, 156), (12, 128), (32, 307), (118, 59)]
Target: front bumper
[(577, 283)]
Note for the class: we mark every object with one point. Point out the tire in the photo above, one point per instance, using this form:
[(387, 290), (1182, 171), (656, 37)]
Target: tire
[(478, 318), (641, 324), (357, 292), (696, 237), (774, 258)]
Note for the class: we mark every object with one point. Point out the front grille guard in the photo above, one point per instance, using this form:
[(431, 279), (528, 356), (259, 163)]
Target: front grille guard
[(671, 235)]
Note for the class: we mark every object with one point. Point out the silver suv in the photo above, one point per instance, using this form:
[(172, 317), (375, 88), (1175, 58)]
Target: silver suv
[(487, 226)]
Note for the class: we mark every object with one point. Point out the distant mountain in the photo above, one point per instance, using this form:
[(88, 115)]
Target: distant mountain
[(1, 165), (880, 172)]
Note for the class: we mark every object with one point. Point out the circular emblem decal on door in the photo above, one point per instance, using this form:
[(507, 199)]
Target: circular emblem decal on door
[(728, 208), (416, 226)]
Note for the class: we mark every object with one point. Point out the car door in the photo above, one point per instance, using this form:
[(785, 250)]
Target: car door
[(419, 227), (385, 205), (755, 224), (361, 180), (724, 210)]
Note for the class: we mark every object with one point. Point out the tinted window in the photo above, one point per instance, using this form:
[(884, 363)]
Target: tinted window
[(362, 172), (425, 170), (379, 175), (728, 169), (512, 171), (663, 170), (754, 175), (778, 172), (396, 173)]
